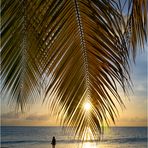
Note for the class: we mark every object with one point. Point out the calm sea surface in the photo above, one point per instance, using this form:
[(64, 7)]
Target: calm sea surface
[(40, 137)]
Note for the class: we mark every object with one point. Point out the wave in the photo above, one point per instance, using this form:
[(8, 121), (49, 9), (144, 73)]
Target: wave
[(126, 140), (24, 141)]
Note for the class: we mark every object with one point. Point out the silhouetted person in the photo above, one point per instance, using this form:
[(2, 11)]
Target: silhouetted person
[(53, 142)]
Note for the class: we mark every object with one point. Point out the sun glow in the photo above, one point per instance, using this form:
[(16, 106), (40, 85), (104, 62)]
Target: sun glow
[(87, 106)]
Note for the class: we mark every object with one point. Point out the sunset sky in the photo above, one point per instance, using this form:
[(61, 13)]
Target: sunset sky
[(135, 113)]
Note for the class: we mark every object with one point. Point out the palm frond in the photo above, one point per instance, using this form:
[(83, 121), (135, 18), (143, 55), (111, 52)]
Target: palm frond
[(76, 51), (19, 72)]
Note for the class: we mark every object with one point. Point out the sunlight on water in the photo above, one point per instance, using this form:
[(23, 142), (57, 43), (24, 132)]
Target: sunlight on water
[(88, 134), (89, 145)]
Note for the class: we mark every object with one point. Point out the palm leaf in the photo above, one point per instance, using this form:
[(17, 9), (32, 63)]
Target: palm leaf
[(19, 72), (74, 51)]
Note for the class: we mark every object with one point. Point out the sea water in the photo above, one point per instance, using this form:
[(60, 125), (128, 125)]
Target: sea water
[(40, 137)]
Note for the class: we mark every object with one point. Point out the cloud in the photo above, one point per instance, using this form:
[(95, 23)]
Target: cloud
[(20, 116), (134, 119), (10, 115), (32, 119), (38, 117), (137, 119)]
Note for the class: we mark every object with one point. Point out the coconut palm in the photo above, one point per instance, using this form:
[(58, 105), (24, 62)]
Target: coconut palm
[(68, 53)]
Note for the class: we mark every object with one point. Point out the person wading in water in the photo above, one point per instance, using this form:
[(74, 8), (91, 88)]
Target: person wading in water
[(53, 142)]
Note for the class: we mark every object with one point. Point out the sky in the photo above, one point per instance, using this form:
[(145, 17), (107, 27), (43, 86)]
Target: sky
[(135, 113)]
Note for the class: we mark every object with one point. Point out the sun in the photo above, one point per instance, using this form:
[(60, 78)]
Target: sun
[(87, 106)]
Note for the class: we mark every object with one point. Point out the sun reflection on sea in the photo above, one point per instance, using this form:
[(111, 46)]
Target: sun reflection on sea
[(89, 145)]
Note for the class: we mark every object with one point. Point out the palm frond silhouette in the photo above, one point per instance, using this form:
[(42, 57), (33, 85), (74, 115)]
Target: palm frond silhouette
[(72, 52)]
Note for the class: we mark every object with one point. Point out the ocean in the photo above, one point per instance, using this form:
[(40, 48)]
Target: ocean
[(40, 137)]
